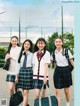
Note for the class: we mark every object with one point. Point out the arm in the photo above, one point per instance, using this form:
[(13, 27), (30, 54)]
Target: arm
[(71, 58), (72, 62), (7, 56)]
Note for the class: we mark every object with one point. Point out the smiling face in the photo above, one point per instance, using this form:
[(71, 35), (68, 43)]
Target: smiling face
[(26, 46), (14, 42), (41, 45), (58, 43)]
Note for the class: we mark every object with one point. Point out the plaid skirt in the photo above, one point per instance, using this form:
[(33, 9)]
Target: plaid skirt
[(62, 77), (38, 84), (10, 78), (25, 78)]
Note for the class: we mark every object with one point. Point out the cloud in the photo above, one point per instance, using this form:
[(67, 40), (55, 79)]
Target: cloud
[(68, 21)]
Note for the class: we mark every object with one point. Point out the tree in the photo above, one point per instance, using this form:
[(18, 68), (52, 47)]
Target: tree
[(68, 41), (50, 42)]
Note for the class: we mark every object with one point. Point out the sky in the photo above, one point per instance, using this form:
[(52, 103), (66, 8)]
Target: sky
[(35, 13)]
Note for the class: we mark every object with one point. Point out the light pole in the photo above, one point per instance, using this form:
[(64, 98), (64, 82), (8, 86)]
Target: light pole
[(2, 12), (19, 25), (62, 21), (41, 31)]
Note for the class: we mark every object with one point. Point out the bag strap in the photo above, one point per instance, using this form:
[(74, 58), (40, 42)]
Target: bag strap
[(53, 55), (66, 54)]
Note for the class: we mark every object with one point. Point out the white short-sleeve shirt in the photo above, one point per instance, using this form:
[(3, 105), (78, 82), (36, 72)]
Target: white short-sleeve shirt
[(14, 52), (45, 59), (29, 62), (61, 60)]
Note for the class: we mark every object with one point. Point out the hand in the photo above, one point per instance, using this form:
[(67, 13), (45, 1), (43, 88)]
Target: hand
[(45, 80), (16, 79), (8, 56)]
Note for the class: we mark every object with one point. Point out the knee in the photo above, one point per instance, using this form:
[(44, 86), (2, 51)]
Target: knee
[(11, 89), (25, 93), (37, 96)]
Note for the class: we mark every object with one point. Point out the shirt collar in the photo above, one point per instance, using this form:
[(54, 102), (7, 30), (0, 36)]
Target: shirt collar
[(26, 52), (42, 51), (59, 51)]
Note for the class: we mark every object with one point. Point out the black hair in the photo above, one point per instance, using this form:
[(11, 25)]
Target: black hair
[(10, 45), (22, 49), (35, 46)]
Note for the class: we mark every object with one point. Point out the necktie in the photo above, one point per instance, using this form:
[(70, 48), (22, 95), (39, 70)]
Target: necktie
[(25, 60)]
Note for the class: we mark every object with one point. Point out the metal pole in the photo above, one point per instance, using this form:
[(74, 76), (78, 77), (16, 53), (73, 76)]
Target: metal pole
[(10, 32), (41, 31), (2, 12), (26, 32), (19, 31), (62, 20)]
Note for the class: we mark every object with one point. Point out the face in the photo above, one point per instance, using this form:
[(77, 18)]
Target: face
[(41, 45), (26, 46), (58, 43), (14, 42)]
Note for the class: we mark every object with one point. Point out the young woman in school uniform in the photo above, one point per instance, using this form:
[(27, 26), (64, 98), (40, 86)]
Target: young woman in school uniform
[(24, 74), (41, 60), (12, 53), (62, 75)]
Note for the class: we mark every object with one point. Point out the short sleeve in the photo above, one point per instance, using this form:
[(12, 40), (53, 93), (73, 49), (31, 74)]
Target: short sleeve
[(47, 57), (70, 55)]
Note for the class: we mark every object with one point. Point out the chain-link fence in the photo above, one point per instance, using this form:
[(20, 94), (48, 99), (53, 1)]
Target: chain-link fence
[(30, 32)]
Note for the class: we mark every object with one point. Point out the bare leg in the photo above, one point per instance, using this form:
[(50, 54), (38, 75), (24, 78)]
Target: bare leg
[(58, 91), (25, 97), (11, 88), (37, 93), (67, 94), (43, 93)]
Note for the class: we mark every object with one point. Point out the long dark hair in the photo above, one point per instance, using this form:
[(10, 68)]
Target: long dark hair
[(10, 45), (22, 49), (35, 46)]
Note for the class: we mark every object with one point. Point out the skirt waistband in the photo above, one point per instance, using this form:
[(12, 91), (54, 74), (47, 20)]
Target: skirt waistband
[(62, 66), (26, 68)]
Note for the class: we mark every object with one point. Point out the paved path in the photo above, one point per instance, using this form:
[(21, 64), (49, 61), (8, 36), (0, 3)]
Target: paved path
[(5, 95)]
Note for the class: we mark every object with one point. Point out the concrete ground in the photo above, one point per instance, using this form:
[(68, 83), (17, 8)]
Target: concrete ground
[(4, 94)]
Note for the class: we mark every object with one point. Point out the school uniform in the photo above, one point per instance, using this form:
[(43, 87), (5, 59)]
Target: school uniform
[(14, 52), (62, 76), (38, 69), (25, 71)]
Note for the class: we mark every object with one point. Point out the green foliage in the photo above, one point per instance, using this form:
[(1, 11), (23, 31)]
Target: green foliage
[(68, 39), (2, 56), (50, 42), (2, 53)]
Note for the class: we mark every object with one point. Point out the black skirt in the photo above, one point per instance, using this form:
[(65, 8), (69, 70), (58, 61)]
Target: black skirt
[(62, 77), (25, 78)]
